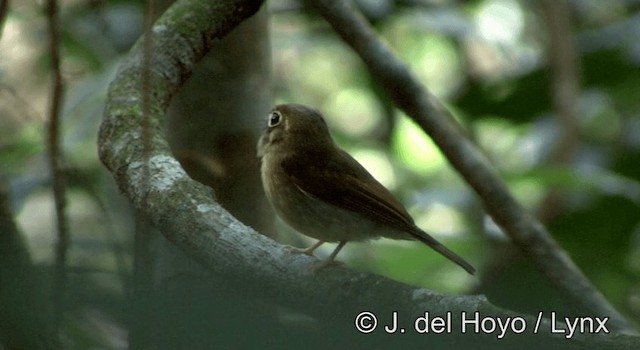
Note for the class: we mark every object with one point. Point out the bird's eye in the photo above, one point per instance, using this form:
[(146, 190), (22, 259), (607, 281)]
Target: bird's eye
[(275, 119)]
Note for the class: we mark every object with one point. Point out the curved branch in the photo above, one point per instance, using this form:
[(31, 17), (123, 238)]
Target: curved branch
[(252, 263), (424, 108)]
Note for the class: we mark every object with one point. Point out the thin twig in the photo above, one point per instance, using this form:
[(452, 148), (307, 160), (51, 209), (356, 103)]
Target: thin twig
[(424, 108), (58, 177)]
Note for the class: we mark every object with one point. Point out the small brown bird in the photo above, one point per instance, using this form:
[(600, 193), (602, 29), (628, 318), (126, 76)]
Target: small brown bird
[(323, 192)]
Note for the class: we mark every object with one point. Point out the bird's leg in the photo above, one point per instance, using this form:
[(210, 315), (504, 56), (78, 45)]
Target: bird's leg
[(309, 251), (330, 260)]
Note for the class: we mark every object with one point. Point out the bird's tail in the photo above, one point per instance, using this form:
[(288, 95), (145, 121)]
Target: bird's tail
[(440, 248)]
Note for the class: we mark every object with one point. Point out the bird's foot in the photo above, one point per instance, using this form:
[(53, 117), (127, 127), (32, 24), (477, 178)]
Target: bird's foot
[(319, 265), (309, 251), (295, 250)]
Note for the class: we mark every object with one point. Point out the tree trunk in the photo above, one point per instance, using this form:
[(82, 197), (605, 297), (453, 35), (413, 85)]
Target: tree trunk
[(213, 125)]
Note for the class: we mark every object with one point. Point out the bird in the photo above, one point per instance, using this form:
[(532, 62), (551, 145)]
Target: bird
[(323, 192)]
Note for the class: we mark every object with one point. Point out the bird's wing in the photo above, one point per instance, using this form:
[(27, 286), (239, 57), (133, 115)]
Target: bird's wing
[(341, 181)]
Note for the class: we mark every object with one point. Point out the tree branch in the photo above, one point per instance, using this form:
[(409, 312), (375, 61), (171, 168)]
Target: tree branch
[(415, 100), (251, 263), (58, 177), (140, 336)]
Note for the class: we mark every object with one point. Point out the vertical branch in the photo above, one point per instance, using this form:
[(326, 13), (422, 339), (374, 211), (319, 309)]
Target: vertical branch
[(566, 87), (142, 270), (55, 163)]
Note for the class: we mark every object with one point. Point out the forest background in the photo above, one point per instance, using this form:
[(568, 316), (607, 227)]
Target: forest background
[(548, 91)]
